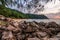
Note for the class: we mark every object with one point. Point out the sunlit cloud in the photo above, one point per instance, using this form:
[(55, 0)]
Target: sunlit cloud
[(49, 7)]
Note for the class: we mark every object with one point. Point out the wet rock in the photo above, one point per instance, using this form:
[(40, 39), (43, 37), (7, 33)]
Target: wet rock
[(42, 34), (21, 37), (34, 34), (2, 17), (29, 29), (3, 28), (54, 30), (27, 35), (15, 24), (23, 26), (58, 35), (30, 36), (33, 39), (1, 34), (7, 36), (46, 38), (0, 26), (42, 23), (8, 19), (33, 24), (51, 24), (54, 38), (11, 28)]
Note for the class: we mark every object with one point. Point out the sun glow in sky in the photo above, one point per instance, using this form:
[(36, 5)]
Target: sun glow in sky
[(57, 17), (52, 7)]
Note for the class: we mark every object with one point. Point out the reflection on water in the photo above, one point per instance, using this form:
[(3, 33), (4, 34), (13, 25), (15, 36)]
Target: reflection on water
[(43, 20)]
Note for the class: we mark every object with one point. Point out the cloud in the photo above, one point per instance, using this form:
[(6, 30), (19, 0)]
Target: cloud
[(51, 7)]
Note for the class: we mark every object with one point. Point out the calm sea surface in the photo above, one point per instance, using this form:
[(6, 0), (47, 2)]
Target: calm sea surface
[(43, 20)]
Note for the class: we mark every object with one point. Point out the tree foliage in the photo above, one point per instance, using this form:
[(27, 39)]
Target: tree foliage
[(3, 2), (16, 14), (6, 2)]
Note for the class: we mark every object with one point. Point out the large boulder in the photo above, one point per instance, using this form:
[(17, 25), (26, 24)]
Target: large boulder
[(55, 38), (42, 34), (51, 24), (11, 28), (29, 29), (20, 36), (42, 23), (7, 35), (46, 38)]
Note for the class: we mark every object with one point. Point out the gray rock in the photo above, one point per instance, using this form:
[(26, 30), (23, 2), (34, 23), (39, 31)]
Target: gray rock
[(7, 35), (58, 35), (33, 39), (11, 28), (51, 24), (46, 38), (42, 23), (20, 36), (54, 38), (43, 34)]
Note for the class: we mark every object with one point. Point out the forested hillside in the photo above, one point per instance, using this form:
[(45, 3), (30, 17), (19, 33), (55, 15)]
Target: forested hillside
[(7, 12)]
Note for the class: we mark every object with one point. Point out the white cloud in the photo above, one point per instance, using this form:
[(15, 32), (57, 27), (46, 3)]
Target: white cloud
[(51, 7)]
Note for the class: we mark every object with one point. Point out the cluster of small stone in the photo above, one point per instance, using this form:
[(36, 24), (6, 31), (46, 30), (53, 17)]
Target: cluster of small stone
[(29, 30)]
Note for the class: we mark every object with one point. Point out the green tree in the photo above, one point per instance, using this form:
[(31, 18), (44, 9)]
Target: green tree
[(6, 2), (3, 2)]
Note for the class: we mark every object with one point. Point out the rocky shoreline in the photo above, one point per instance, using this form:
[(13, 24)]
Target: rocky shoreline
[(13, 30)]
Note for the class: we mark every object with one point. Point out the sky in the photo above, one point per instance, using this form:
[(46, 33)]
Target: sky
[(50, 7)]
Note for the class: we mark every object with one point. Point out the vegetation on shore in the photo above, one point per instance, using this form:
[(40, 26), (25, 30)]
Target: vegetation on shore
[(7, 12)]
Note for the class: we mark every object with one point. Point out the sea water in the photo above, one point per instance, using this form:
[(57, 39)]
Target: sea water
[(43, 20)]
